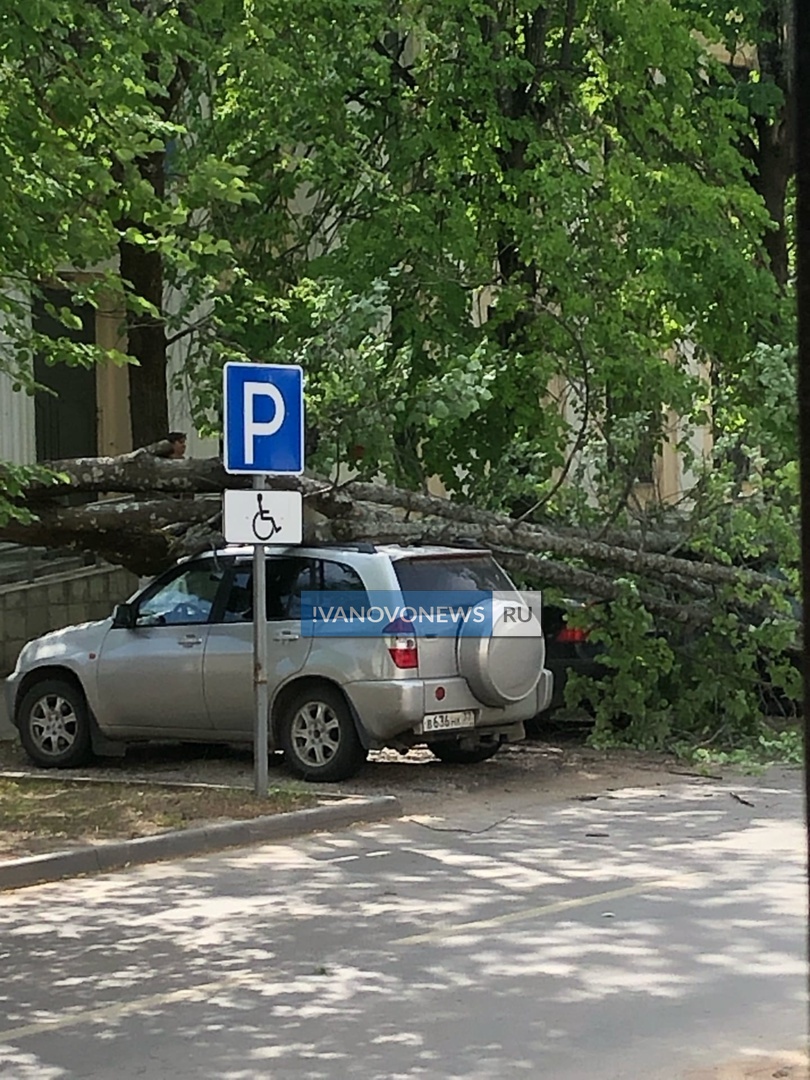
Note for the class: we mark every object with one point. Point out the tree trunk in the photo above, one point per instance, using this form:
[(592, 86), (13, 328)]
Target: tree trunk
[(775, 155), (142, 268), (146, 534), (774, 170)]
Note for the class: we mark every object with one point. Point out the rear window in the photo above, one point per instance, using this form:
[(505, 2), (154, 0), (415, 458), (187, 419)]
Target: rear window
[(461, 573)]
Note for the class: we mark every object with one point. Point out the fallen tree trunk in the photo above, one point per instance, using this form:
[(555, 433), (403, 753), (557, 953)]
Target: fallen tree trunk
[(146, 474), (148, 531), (132, 533), (141, 473)]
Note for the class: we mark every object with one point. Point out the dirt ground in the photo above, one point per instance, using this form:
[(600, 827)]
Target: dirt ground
[(41, 814), (554, 769), (781, 1067)]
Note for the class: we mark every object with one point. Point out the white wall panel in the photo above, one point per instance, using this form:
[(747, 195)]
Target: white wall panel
[(18, 441), (17, 431), (179, 395)]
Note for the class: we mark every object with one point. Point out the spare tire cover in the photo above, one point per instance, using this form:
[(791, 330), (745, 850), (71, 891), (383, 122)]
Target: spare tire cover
[(504, 666)]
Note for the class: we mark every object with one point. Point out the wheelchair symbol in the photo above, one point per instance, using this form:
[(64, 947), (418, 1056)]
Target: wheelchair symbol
[(264, 524)]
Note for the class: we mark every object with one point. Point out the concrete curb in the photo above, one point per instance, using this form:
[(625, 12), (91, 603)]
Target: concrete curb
[(181, 843)]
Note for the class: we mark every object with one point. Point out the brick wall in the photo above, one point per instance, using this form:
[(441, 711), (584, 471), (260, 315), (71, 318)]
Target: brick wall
[(26, 611)]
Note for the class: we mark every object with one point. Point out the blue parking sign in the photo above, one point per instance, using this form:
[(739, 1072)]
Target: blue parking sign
[(263, 418)]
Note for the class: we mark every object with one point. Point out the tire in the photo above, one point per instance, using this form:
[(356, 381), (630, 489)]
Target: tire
[(318, 736), (453, 753), (54, 725)]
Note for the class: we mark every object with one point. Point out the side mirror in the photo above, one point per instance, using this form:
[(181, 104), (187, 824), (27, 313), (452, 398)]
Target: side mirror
[(123, 617)]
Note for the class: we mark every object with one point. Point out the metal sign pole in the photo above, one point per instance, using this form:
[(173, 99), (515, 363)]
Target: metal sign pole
[(256, 445), (260, 733), (801, 75)]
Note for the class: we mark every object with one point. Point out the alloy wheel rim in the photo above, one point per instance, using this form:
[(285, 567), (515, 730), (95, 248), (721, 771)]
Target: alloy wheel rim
[(315, 734), (53, 725)]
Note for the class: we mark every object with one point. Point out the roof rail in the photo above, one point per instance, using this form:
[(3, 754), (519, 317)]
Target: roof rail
[(467, 542), (362, 546)]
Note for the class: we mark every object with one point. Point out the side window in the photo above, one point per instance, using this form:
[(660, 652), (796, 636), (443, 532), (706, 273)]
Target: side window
[(239, 604), (185, 600), (336, 577), (286, 579)]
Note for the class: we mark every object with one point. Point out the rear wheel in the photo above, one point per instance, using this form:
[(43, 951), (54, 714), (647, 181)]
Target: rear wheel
[(54, 725), (318, 736), (452, 752)]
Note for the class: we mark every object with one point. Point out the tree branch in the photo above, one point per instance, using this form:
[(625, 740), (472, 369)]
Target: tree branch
[(354, 510)]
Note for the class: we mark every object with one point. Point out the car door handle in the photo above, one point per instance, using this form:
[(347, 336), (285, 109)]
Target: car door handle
[(286, 635), (189, 641)]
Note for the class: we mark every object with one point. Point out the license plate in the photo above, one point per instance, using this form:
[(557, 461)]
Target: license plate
[(448, 721)]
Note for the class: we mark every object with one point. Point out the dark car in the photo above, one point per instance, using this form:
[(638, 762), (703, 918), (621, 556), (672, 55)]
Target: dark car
[(569, 651)]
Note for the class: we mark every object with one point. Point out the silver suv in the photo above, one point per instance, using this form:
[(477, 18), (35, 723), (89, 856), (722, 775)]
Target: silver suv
[(176, 663)]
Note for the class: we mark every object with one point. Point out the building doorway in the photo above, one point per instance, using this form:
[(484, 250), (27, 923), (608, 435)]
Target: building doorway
[(66, 420)]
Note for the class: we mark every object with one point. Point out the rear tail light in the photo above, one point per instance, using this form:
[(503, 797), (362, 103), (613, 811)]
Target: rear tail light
[(402, 644), (572, 635)]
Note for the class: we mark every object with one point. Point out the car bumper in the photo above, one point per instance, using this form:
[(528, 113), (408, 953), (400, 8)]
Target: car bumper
[(545, 689), (589, 666), (390, 708)]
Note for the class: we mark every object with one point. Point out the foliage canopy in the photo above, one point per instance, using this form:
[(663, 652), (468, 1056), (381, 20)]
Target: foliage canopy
[(509, 242)]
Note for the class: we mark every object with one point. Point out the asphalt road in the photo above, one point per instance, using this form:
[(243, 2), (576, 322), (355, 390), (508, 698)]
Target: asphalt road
[(640, 934)]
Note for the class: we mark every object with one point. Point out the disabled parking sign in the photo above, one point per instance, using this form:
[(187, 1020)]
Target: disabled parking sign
[(263, 407), (262, 517)]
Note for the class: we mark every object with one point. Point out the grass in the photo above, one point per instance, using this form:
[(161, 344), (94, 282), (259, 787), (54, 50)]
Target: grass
[(40, 815)]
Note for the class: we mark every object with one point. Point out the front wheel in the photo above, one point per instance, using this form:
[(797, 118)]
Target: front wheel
[(452, 752), (54, 725), (318, 736)]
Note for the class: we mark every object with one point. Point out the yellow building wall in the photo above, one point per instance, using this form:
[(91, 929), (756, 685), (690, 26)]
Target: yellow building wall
[(112, 386)]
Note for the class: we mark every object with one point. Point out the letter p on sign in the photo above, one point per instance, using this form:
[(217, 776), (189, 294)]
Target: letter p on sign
[(255, 429), (263, 413)]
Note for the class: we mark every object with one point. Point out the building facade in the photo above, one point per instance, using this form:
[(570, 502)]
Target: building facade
[(87, 413)]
